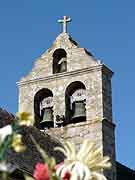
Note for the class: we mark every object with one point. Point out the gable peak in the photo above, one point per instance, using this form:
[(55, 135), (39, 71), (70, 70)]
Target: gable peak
[(64, 40)]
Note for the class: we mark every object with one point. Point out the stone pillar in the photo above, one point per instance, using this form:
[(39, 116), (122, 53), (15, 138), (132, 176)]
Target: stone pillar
[(108, 129)]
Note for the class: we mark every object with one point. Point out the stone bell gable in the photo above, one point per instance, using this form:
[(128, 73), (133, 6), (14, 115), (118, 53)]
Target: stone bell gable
[(69, 93), (75, 57), (80, 68)]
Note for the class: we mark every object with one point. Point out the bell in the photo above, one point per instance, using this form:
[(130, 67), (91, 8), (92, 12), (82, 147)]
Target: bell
[(79, 111), (62, 65), (47, 118)]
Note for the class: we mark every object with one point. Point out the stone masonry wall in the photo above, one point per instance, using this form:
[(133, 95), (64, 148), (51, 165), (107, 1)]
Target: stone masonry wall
[(81, 66), (108, 129), (91, 78), (77, 58), (76, 133), (107, 96), (98, 131)]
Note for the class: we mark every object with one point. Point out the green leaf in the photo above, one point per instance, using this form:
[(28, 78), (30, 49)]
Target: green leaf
[(4, 147), (28, 178)]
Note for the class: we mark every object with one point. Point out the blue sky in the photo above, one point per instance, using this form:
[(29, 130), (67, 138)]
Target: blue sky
[(106, 28)]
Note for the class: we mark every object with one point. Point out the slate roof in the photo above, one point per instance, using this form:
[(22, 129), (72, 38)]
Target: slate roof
[(26, 161), (5, 118), (124, 173)]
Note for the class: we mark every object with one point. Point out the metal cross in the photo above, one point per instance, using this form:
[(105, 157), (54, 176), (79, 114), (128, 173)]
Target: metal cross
[(64, 21)]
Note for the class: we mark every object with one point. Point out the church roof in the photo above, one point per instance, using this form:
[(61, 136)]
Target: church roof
[(124, 173), (5, 118), (26, 161)]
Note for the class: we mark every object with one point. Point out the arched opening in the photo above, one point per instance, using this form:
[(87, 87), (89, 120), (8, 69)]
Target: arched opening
[(59, 61), (75, 101), (43, 108)]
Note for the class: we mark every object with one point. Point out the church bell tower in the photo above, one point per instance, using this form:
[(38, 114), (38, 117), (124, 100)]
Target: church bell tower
[(69, 93)]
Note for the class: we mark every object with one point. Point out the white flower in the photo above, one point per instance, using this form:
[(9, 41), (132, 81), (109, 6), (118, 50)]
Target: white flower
[(7, 167), (84, 165), (5, 131), (77, 169)]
